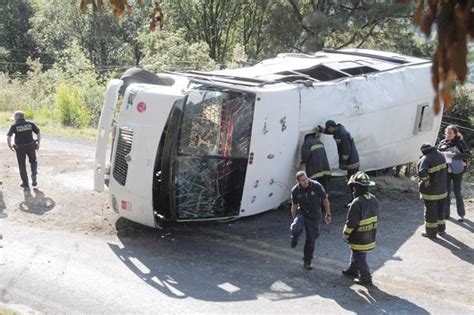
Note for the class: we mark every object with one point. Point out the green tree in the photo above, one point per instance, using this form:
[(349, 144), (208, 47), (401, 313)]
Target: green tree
[(346, 24), (16, 43), (171, 51)]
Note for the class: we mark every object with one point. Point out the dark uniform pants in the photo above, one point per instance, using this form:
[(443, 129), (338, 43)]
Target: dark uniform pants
[(434, 216), (311, 226), (21, 154), (358, 264), (457, 183), (324, 180)]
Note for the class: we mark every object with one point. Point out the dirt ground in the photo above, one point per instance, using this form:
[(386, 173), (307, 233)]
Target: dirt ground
[(64, 198), (240, 267)]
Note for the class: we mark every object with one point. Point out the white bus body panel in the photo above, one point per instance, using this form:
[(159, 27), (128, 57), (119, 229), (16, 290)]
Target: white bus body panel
[(103, 133), (274, 143), (135, 199), (379, 110)]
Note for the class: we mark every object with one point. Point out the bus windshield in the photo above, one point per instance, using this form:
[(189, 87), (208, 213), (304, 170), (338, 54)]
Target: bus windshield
[(212, 153), (216, 123)]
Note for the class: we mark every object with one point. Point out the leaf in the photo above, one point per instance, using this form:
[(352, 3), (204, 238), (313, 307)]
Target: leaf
[(419, 12), (436, 104), (157, 17), (118, 7)]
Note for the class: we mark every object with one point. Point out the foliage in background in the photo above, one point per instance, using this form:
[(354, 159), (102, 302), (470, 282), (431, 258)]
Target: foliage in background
[(460, 114), (48, 47), (171, 51)]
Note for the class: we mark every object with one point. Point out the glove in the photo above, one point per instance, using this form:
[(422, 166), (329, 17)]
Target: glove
[(346, 237), (320, 129)]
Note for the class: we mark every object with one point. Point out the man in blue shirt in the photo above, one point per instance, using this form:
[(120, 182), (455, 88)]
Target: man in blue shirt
[(25, 145), (307, 197)]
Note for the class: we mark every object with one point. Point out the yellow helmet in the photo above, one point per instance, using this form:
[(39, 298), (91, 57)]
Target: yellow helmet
[(360, 178)]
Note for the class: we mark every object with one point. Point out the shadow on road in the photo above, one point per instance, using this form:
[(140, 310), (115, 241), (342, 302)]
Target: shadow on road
[(38, 203), (467, 224), (251, 259), (457, 248)]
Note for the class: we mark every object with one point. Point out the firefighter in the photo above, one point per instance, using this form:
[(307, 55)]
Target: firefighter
[(361, 228), (25, 145), (432, 171), (307, 197), (346, 149), (313, 155)]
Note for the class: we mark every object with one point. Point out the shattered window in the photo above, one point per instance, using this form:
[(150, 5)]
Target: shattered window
[(212, 154), (359, 70), (323, 73)]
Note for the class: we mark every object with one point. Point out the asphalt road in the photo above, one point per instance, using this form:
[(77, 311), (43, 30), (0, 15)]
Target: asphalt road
[(63, 251)]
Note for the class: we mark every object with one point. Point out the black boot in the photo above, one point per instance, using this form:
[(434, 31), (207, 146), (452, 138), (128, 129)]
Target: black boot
[(428, 235), (293, 242), (307, 266), (350, 273)]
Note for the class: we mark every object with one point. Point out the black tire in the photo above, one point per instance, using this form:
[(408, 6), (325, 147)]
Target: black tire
[(138, 75)]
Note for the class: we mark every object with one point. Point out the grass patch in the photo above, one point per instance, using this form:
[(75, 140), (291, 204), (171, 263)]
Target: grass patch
[(48, 124)]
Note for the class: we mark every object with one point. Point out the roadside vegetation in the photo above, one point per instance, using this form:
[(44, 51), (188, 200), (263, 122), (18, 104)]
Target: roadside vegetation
[(55, 61)]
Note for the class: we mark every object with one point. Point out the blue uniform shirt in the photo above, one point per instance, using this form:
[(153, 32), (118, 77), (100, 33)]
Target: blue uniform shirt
[(309, 199), (23, 131)]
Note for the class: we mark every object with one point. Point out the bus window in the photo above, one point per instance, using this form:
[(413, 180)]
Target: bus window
[(212, 153)]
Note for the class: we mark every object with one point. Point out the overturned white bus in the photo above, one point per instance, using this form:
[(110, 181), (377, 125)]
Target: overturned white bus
[(225, 144)]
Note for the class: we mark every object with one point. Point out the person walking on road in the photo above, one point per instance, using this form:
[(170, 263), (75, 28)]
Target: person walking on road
[(432, 171), (314, 156), (361, 228), (25, 145), (457, 155), (307, 197)]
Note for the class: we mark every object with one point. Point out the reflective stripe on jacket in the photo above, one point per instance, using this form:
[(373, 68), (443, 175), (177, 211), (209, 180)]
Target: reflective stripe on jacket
[(432, 167), (314, 156), (361, 223)]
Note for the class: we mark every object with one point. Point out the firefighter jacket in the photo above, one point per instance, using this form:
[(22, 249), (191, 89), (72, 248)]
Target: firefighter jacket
[(348, 155), (314, 156), (361, 224), (432, 168)]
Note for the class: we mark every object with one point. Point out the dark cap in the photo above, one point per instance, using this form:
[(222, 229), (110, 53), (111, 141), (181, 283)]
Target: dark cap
[(426, 147), (330, 123)]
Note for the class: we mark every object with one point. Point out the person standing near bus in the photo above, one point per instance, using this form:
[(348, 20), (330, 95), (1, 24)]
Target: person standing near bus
[(432, 171), (457, 152), (346, 148), (361, 228), (313, 155), (307, 197), (25, 145)]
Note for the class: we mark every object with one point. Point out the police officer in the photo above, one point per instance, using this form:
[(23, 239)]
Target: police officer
[(25, 145), (307, 197), (315, 158), (361, 228), (432, 171)]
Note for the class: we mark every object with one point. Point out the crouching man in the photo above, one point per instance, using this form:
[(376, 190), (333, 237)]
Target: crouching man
[(361, 228), (307, 197)]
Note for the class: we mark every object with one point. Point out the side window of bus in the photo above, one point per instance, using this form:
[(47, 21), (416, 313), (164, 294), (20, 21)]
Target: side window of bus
[(424, 119)]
